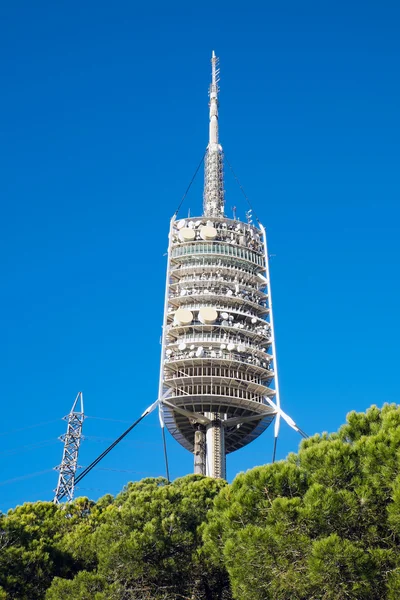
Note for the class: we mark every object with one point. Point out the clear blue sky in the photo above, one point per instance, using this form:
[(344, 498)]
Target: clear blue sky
[(103, 119)]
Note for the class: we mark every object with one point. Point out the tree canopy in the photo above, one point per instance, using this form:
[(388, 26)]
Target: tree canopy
[(324, 524)]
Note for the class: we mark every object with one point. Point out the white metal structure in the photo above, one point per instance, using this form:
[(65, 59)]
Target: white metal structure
[(218, 377), (71, 440)]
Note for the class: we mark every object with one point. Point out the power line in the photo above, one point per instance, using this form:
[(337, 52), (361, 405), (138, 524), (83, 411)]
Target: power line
[(108, 450), (22, 477), (106, 419), (95, 438), (37, 473), (115, 420), (29, 447), (122, 470), (29, 427), (92, 489)]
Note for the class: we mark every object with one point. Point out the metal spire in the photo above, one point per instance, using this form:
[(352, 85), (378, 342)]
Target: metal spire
[(69, 463), (213, 137), (213, 199)]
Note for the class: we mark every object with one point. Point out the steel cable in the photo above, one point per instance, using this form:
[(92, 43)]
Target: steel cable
[(190, 184)]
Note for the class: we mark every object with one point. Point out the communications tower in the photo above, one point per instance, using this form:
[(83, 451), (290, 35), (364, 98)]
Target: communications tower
[(218, 378)]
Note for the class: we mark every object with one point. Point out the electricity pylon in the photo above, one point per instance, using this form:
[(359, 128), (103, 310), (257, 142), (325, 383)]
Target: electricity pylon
[(71, 440)]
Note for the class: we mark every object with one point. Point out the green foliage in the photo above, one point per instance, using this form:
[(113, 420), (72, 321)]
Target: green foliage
[(85, 586), (30, 555), (149, 541), (322, 525)]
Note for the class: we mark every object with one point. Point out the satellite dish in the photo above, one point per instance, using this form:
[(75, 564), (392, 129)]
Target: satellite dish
[(223, 346), (186, 234), (183, 316), (168, 352), (231, 347), (192, 347), (199, 351), (241, 348), (254, 320), (224, 315), (225, 323), (180, 224), (182, 346), (207, 315), (208, 232)]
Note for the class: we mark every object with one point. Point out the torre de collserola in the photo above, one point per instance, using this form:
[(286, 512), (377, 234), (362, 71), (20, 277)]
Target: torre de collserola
[(218, 378)]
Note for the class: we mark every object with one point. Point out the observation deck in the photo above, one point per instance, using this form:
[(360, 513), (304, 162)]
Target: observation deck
[(217, 360)]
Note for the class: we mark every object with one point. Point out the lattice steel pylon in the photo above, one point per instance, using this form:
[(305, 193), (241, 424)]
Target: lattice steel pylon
[(72, 440)]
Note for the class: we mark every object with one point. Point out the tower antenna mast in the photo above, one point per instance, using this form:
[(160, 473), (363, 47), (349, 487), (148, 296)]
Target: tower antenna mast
[(72, 440), (213, 198)]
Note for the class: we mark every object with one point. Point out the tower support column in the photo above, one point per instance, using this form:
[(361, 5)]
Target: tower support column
[(200, 450), (215, 447)]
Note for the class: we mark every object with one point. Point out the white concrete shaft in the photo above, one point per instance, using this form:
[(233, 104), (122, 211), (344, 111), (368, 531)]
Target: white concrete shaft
[(215, 447), (200, 450)]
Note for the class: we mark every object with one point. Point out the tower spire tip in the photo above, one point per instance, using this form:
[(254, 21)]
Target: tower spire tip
[(213, 181)]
